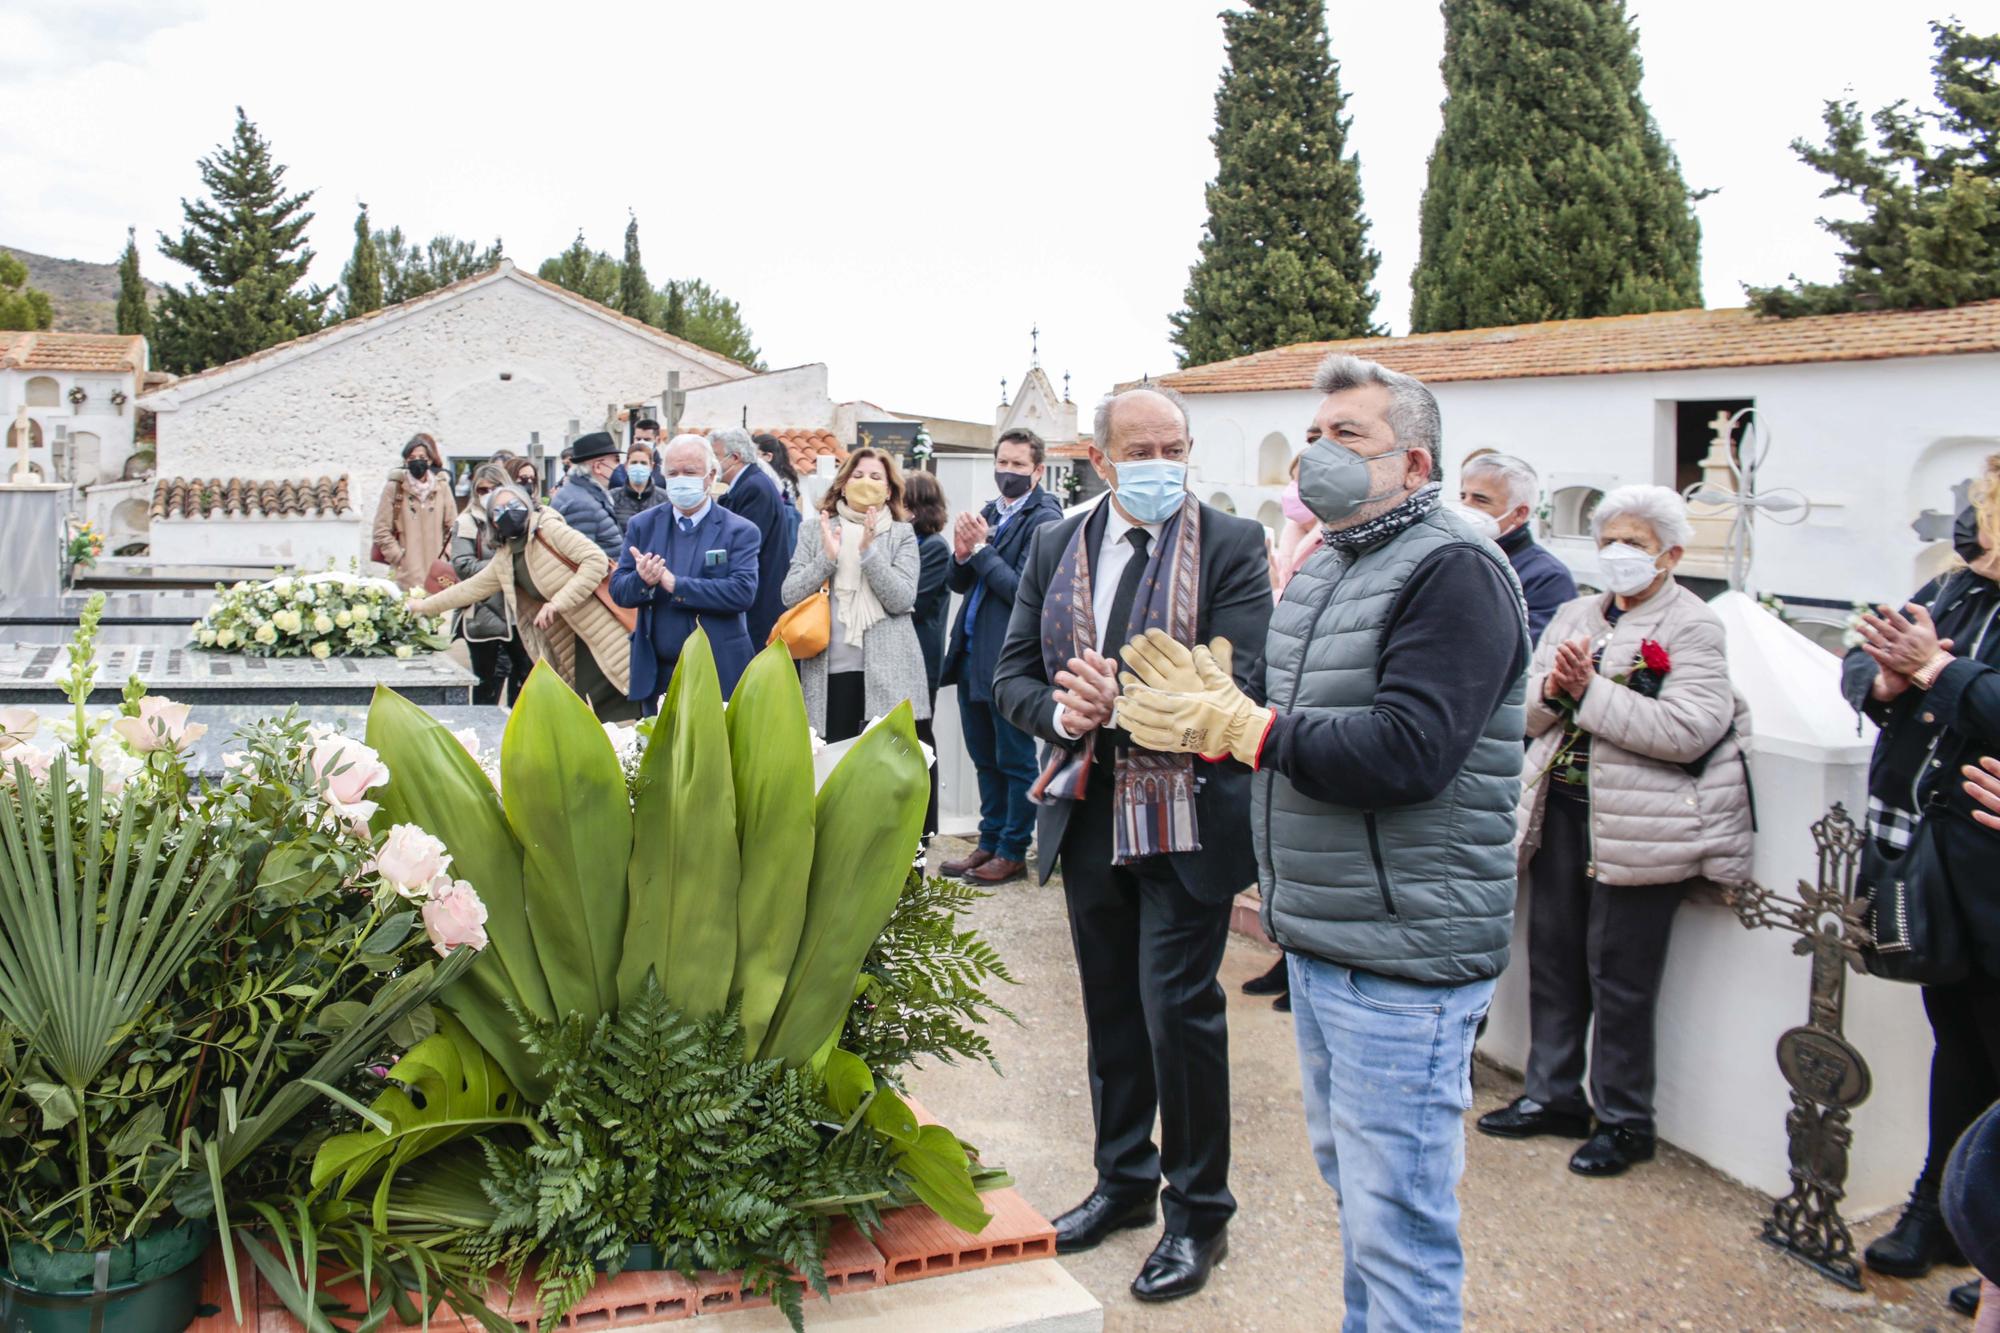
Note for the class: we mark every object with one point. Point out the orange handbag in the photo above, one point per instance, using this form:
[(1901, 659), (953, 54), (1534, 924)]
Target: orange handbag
[(806, 628)]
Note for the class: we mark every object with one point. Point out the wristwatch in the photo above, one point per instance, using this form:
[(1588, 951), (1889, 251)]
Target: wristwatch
[(1927, 674)]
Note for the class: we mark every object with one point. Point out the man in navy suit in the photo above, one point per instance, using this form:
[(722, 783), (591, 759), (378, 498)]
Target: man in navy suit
[(687, 562), (754, 496), (988, 550)]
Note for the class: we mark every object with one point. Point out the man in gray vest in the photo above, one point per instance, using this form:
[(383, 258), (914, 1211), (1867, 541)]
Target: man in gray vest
[(1388, 765)]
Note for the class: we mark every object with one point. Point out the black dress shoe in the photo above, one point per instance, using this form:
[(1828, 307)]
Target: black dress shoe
[(1521, 1119), (1964, 1299), (1611, 1151), (1283, 1004), (1179, 1266), (1275, 982), (1085, 1226), (1918, 1241)]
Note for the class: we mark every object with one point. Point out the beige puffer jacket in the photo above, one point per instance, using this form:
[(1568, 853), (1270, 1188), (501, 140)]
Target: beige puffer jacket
[(1651, 821)]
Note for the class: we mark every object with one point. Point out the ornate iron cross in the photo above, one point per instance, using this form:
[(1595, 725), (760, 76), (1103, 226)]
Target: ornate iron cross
[(1745, 460)]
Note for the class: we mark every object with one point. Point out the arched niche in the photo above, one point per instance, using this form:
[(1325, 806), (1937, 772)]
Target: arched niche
[(1570, 510), (1220, 500), (1271, 516), (43, 391), (1274, 460)]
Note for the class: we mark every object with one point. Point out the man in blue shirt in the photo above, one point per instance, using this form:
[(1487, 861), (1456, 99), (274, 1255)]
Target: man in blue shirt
[(988, 550), (1497, 494), (687, 562), (754, 496)]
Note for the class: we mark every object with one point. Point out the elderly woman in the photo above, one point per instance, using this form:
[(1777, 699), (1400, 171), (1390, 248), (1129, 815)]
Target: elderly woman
[(498, 658), (1636, 789), (1928, 674), (861, 548), (546, 575), (413, 522)]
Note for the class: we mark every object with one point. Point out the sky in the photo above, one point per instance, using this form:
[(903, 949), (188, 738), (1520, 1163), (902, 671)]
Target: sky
[(900, 190)]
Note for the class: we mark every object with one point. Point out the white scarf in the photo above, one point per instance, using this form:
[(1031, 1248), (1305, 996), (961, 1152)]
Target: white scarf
[(853, 600)]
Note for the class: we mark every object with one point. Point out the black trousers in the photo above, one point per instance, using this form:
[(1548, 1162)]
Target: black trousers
[(929, 737), (846, 703), (1593, 949), (1965, 1066), (498, 662), (1147, 952)]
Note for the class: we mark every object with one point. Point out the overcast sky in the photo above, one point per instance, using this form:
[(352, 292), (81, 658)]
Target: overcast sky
[(899, 190)]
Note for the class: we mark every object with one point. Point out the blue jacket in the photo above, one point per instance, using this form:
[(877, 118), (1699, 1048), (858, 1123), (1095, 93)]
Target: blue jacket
[(996, 570), (586, 507), (933, 600), (755, 497), (1545, 580), (713, 594)]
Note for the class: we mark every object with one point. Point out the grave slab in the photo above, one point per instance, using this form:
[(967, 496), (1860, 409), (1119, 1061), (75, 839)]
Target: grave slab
[(30, 673), (224, 721)]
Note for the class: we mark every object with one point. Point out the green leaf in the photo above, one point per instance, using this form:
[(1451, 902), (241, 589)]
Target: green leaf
[(146, 1127), (939, 1173), (339, 1016), (770, 748), (57, 1103), (288, 876), (847, 1082), (682, 879), (892, 1117), (565, 798), (389, 936), (413, 1027)]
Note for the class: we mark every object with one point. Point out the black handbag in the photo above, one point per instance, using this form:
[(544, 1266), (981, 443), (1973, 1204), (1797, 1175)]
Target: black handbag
[(1910, 911)]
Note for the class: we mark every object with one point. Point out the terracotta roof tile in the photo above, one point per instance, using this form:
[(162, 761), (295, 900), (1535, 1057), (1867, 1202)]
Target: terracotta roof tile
[(250, 497), (1622, 344), (39, 350), (807, 444)]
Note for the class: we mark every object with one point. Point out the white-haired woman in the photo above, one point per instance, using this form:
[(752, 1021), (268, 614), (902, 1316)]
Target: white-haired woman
[(1635, 790)]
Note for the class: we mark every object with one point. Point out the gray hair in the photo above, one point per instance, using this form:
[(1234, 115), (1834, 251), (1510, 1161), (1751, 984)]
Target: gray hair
[(738, 445), (1413, 411), (1524, 487), (514, 489), (1100, 423), (1659, 507), (687, 440)]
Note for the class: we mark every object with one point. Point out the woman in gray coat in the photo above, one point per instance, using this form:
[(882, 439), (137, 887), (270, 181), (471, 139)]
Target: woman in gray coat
[(861, 549)]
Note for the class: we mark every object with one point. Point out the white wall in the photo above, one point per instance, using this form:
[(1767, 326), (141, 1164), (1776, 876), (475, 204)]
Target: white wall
[(1872, 443), (294, 543), (112, 426), (782, 399)]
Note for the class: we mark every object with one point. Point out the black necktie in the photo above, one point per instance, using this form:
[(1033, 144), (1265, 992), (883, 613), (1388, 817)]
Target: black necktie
[(1117, 626)]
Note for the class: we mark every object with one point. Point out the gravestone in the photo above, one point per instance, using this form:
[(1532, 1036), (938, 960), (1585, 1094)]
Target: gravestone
[(155, 618), (31, 673)]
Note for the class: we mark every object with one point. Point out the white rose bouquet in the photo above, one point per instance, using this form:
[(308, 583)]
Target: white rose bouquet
[(318, 615)]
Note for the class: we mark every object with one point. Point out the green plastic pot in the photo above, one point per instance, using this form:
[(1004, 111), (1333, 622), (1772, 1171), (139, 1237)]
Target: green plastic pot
[(150, 1285)]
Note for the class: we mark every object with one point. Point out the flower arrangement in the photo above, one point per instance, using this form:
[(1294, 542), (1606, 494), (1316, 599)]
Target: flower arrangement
[(86, 543), (921, 448), (77, 396), (118, 398), (1646, 675), (332, 614), (1071, 484)]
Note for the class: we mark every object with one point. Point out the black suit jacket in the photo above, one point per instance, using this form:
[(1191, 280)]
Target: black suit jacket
[(1236, 605), (970, 664), (755, 497)]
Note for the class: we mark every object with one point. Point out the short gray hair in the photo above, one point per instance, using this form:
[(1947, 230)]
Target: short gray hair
[(1100, 422), (688, 441), (1413, 410), (1659, 507), (737, 444), (1524, 487)]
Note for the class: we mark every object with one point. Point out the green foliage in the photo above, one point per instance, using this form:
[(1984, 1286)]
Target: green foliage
[(135, 314), (691, 309), (410, 270), (588, 273), (246, 245), (1930, 231), (1285, 256), (635, 298), (687, 308), (1552, 194), (925, 983), (21, 306), (361, 280)]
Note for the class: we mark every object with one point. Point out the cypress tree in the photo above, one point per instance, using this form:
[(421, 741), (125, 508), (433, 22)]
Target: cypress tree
[(1285, 255), (1552, 194), (134, 314), (588, 273), (361, 280), (246, 245), (635, 296)]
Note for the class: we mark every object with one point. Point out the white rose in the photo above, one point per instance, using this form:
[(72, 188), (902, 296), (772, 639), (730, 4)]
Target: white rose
[(207, 638), (410, 859), (266, 635), (344, 618), (403, 650), (322, 623), (322, 650), (225, 638)]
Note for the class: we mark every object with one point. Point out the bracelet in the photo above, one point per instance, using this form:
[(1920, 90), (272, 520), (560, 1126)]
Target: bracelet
[(1927, 674)]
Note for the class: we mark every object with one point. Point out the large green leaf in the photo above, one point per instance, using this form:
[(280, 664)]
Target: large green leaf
[(565, 798), (866, 824), (770, 750), (941, 1176), (682, 880)]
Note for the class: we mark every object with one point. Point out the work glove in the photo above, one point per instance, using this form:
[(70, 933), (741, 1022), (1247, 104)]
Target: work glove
[(1178, 700)]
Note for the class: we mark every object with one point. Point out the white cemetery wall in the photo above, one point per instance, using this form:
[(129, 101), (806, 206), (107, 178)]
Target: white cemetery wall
[(795, 397), (292, 543), (97, 433)]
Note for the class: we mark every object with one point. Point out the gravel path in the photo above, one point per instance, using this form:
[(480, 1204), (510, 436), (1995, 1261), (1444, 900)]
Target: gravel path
[(1672, 1245)]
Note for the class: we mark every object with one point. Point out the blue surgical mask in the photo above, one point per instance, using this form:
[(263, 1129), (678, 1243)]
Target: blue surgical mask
[(1152, 489), (639, 474), (686, 492)]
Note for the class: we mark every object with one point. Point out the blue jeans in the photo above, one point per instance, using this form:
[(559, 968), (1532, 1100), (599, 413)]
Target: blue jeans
[(1005, 760), (1387, 1071)]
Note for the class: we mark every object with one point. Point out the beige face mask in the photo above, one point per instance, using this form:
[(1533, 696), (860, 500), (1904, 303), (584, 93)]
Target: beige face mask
[(865, 492)]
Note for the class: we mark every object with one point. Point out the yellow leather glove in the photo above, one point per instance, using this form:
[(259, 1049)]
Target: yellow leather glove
[(1214, 720)]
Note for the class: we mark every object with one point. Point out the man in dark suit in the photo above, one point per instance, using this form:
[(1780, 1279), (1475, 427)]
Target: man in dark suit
[(988, 550), (687, 562), (1151, 856), (754, 496)]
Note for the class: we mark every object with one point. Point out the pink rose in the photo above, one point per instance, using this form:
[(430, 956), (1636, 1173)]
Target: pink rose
[(17, 725), (410, 859), (36, 760), (347, 771), (162, 724), (454, 916)]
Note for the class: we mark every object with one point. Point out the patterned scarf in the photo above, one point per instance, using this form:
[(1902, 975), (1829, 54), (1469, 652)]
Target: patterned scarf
[(1379, 529), (1152, 794)]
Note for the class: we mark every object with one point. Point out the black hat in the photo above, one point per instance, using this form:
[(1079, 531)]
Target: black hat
[(597, 444)]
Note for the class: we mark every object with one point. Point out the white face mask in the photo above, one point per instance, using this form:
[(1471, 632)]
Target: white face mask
[(1480, 521), (1626, 570)]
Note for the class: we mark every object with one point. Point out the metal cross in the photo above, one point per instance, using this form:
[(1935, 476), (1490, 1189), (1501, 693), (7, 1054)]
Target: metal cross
[(1785, 506), (1035, 344)]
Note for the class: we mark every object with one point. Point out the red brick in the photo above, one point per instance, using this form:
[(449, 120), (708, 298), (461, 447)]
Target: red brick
[(917, 1243)]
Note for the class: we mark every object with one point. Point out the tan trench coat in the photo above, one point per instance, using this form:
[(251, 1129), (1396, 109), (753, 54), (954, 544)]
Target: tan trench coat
[(413, 531)]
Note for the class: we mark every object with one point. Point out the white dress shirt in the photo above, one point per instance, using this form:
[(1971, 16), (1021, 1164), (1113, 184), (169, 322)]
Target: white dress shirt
[(1113, 554)]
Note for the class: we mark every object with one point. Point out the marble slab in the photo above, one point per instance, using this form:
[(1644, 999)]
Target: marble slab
[(180, 607), (31, 673)]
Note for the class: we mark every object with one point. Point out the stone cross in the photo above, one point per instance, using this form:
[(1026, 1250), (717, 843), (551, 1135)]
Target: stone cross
[(23, 436), (1931, 526)]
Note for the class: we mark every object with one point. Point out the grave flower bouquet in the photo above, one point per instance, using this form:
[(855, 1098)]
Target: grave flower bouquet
[(332, 614)]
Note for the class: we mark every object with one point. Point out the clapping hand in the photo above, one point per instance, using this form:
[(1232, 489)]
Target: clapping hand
[(1572, 671), (1982, 784), (1183, 700), (871, 523), (1088, 692), (966, 535), (829, 536), (652, 568), (1901, 642)]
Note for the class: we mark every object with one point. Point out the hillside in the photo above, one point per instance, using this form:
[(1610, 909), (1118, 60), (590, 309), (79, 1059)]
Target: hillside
[(85, 295)]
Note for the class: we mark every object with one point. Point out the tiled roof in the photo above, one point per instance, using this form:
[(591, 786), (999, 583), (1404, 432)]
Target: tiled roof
[(1077, 448), (807, 445), (247, 497), (121, 352), (1622, 344)]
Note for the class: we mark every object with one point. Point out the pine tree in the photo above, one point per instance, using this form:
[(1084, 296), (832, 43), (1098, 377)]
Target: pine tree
[(635, 297), (1552, 194), (587, 272), (1931, 232), (134, 314), (21, 306), (246, 245), (1285, 256), (693, 310), (409, 270), (361, 280)]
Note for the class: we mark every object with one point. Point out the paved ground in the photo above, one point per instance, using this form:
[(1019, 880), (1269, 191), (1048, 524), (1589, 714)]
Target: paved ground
[(1670, 1246)]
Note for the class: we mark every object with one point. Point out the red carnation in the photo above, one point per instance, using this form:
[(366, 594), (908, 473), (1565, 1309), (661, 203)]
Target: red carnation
[(1654, 654)]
